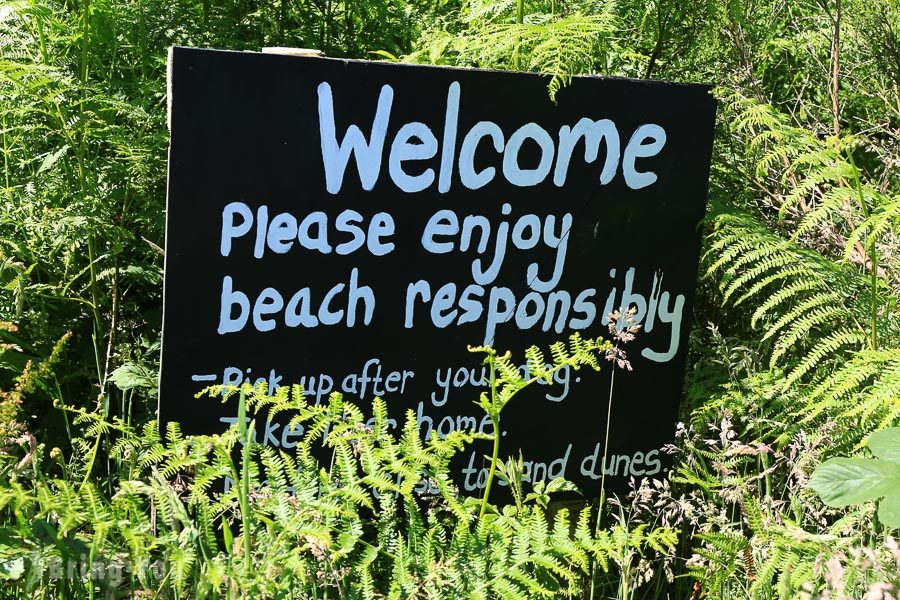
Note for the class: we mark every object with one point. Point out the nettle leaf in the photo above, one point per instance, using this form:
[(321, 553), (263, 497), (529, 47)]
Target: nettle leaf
[(885, 444), (844, 481), (131, 375)]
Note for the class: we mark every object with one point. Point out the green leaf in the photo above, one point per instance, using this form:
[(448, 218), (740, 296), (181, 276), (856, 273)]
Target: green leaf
[(227, 536), (51, 159), (560, 484), (889, 511), (843, 481), (885, 444), (130, 375), (386, 55)]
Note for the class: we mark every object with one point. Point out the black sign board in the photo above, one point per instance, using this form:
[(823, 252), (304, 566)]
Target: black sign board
[(353, 226)]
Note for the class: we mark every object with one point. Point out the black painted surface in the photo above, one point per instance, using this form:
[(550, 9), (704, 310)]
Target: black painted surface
[(245, 127)]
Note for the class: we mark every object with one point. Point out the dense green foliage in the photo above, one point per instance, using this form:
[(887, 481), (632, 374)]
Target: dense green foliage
[(795, 352), (382, 521)]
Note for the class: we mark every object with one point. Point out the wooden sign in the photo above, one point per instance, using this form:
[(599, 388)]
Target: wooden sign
[(353, 226)]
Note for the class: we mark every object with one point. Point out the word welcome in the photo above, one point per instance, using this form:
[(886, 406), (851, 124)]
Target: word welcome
[(415, 142)]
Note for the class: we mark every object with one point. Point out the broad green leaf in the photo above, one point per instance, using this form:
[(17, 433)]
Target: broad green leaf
[(843, 481), (885, 444), (130, 376), (889, 511), (560, 484)]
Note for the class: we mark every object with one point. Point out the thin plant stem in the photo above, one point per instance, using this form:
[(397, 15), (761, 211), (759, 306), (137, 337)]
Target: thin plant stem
[(598, 522), (495, 420), (872, 251), (612, 381), (246, 434), (6, 151), (835, 70), (59, 396), (90, 465), (767, 480), (520, 19)]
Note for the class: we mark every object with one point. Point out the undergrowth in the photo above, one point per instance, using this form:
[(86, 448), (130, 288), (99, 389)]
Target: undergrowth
[(224, 516), (794, 359)]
